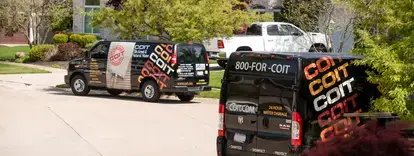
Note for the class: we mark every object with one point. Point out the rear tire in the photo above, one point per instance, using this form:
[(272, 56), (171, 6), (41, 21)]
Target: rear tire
[(79, 85), (185, 97), (114, 92), (222, 63), (319, 48), (150, 91)]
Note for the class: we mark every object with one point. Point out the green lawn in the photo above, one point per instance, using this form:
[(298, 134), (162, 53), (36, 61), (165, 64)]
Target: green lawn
[(215, 78), (15, 69), (7, 53), (213, 61), (210, 94)]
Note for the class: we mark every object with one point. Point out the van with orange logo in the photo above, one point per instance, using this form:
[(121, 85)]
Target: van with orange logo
[(150, 67), (282, 103)]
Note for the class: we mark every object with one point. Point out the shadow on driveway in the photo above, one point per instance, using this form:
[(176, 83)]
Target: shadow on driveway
[(104, 95)]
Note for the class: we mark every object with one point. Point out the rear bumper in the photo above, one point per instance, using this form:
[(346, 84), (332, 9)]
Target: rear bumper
[(187, 89), (67, 79)]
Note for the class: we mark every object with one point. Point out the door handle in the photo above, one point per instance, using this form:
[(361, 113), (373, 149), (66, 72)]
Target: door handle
[(270, 40), (266, 122), (286, 39), (253, 121)]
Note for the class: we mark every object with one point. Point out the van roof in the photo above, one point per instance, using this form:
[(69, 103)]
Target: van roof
[(307, 55), (152, 41)]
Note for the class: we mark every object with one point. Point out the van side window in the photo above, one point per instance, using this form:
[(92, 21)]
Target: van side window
[(200, 54), (100, 51), (184, 54)]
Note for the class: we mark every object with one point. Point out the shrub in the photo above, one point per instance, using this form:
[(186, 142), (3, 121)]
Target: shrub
[(67, 52), (25, 59), (76, 38), (42, 52), (83, 39), (60, 38), (370, 139)]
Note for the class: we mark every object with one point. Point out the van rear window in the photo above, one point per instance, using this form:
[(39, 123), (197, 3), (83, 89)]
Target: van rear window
[(192, 54)]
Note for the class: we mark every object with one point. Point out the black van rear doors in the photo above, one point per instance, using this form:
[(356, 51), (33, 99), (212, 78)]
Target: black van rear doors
[(259, 104), (193, 66)]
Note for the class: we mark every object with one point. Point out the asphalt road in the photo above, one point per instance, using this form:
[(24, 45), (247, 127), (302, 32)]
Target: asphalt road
[(39, 120)]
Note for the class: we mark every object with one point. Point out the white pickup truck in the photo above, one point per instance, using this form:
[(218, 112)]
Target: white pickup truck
[(269, 36)]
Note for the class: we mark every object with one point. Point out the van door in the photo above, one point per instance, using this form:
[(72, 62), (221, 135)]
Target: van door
[(193, 66), (242, 99), (276, 99), (97, 64)]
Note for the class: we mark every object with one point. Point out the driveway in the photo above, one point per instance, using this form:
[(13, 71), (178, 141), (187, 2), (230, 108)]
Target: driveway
[(39, 120)]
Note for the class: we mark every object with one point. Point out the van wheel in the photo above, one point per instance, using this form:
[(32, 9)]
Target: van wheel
[(222, 63), (185, 97), (114, 92), (79, 85), (150, 91)]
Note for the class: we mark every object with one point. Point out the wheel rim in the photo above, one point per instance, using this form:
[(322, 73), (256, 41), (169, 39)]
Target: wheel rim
[(149, 91), (79, 85)]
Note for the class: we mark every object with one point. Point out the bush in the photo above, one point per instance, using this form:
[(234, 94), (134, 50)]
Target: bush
[(370, 139), (83, 39), (42, 52), (67, 52), (25, 59), (60, 38)]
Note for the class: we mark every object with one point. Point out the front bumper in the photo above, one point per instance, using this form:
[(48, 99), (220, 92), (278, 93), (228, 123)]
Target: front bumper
[(67, 79), (187, 89)]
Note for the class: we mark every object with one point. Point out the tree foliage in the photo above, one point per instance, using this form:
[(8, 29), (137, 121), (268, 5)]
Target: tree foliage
[(386, 33), (303, 13), (176, 20)]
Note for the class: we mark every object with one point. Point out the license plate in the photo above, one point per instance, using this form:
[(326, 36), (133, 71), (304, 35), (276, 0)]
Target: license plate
[(241, 138), (193, 88)]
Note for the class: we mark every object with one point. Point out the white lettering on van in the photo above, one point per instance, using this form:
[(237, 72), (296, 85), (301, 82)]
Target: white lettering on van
[(241, 108), (236, 147), (279, 153), (262, 67), (140, 51), (332, 96), (161, 63), (258, 150)]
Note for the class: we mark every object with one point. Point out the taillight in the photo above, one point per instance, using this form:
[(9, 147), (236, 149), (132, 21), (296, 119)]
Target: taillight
[(220, 44), (221, 120), (297, 124), (173, 58), (208, 59)]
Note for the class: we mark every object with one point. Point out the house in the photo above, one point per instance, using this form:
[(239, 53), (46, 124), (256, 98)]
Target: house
[(81, 21)]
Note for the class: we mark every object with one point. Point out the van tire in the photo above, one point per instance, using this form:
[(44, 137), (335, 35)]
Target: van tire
[(150, 91), (79, 85), (114, 92), (185, 97)]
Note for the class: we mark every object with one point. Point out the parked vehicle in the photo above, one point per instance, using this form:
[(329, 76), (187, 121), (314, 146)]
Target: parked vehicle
[(150, 67), (282, 103), (269, 36)]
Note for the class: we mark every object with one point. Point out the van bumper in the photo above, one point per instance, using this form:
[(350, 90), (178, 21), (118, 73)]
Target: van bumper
[(180, 89), (221, 144), (67, 79)]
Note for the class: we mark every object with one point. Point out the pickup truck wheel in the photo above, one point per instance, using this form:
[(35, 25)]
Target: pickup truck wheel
[(185, 97), (222, 63), (114, 92), (79, 85), (318, 49), (150, 91)]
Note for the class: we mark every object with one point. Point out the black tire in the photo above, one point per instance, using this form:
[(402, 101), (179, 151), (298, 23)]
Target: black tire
[(185, 97), (320, 48), (114, 92), (150, 91), (222, 63), (76, 84), (168, 93)]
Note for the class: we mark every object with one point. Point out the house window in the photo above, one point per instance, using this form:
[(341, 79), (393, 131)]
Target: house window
[(90, 6)]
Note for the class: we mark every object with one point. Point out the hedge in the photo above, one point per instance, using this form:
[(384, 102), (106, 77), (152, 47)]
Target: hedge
[(60, 38)]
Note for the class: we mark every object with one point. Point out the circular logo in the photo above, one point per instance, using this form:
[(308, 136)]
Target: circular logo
[(116, 55)]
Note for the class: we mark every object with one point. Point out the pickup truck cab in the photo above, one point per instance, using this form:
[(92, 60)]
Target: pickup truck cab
[(271, 37), (150, 67)]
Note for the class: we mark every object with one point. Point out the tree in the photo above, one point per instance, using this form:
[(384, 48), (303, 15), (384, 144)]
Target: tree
[(330, 17), (176, 20), (33, 16), (386, 33)]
